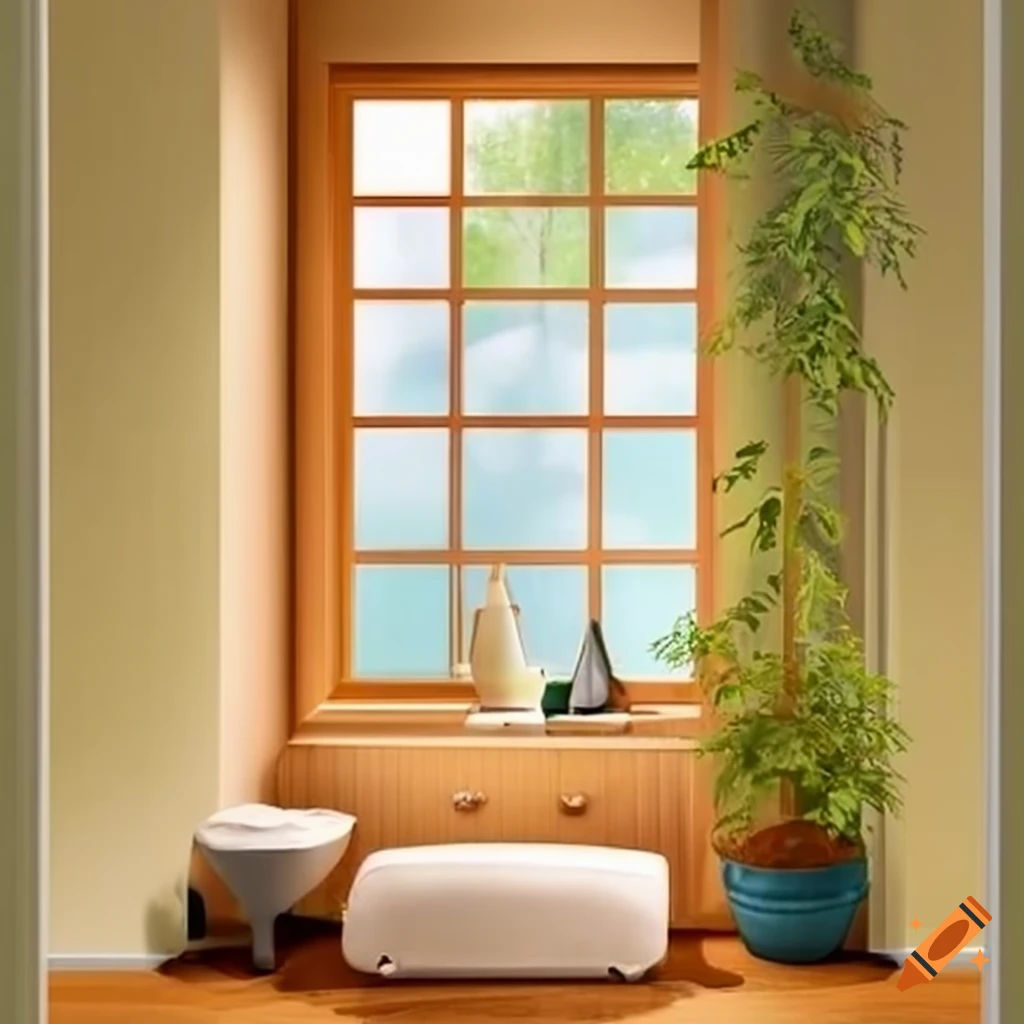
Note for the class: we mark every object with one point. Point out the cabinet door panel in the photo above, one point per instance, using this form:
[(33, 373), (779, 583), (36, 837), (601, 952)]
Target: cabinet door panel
[(403, 796)]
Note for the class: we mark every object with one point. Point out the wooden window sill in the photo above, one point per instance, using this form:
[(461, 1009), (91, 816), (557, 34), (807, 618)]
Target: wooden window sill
[(444, 723)]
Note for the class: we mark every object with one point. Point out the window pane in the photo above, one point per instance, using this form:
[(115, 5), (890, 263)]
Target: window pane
[(640, 604), (401, 627), (526, 147), (650, 359), (552, 602), (401, 358), (525, 358), (402, 147), (647, 145), (649, 482), (524, 489), (651, 247), (525, 247), (401, 247), (401, 484)]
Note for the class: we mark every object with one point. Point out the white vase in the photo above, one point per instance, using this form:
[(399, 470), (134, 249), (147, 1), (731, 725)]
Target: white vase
[(497, 657)]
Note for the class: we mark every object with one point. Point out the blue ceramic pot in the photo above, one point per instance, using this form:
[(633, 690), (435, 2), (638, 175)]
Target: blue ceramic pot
[(795, 916)]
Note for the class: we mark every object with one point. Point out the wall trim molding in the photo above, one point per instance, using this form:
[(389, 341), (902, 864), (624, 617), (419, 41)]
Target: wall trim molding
[(106, 961)]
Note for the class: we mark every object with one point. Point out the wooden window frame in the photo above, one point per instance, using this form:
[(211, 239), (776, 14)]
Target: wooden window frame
[(323, 415)]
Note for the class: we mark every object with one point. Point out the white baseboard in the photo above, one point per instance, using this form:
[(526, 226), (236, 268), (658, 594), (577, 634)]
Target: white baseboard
[(106, 961), (142, 961), (960, 961)]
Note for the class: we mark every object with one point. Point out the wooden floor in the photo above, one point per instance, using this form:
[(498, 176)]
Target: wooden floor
[(706, 980)]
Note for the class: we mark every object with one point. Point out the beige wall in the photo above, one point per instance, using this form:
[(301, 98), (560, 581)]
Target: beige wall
[(253, 388), (135, 318), (561, 31), (167, 316), (748, 405), (22, 735), (930, 343)]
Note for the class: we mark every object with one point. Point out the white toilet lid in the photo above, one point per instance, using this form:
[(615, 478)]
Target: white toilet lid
[(263, 827)]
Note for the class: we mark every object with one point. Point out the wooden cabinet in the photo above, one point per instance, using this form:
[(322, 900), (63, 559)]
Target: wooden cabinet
[(406, 792)]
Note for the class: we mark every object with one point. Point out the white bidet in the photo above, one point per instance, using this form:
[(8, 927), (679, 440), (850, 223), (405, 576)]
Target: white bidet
[(270, 857)]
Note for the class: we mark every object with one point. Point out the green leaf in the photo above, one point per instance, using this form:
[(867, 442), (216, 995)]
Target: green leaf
[(808, 198), (748, 459), (723, 153), (726, 695), (768, 515), (739, 524), (800, 136), (854, 238), (747, 81), (752, 450)]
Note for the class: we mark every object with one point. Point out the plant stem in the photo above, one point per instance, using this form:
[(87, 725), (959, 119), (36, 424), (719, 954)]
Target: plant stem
[(791, 497)]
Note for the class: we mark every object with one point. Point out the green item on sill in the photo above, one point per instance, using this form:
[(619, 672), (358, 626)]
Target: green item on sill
[(556, 697)]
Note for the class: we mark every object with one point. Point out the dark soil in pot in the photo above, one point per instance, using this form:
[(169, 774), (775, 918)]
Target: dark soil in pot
[(792, 845)]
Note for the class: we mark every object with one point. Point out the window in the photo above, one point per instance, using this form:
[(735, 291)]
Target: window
[(515, 307)]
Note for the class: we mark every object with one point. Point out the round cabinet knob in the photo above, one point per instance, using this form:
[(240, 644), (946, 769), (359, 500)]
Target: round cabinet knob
[(465, 800), (573, 803)]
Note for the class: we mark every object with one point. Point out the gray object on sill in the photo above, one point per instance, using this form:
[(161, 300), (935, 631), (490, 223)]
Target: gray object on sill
[(595, 687)]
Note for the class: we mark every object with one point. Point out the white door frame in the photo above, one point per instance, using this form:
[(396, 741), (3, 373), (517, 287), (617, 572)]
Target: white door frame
[(24, 462), (992, 531)]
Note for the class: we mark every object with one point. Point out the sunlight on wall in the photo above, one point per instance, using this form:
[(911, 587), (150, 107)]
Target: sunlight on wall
[(168, 642)]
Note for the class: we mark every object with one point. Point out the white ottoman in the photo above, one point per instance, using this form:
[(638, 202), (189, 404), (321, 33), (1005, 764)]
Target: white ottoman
[(508, 910)]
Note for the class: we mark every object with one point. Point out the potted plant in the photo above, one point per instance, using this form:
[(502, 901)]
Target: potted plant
[(797, 716)]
